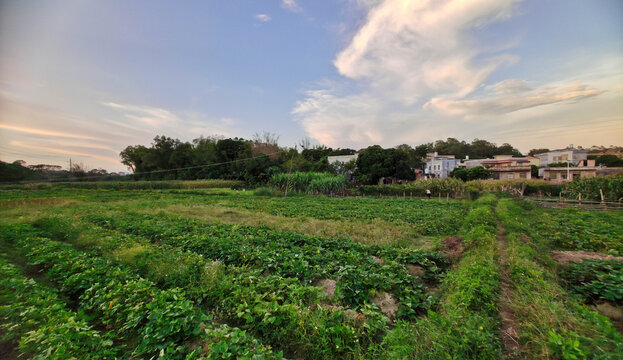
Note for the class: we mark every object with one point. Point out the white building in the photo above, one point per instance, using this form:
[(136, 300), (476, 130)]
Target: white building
[(439, 166), (342, 158), (569, 154)]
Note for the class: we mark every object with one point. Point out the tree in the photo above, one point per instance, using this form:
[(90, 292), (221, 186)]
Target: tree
[(534, 171), (533, 152), (459, 173), (478, 173), (609, 160)]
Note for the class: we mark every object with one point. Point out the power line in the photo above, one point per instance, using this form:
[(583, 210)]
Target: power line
[(143, 172)]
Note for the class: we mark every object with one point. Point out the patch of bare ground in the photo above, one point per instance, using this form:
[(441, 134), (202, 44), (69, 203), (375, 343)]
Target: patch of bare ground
[(566, 257), (386, 303), (452, 247), (509, 327), (327, 286), (8, 350), (612, 311)]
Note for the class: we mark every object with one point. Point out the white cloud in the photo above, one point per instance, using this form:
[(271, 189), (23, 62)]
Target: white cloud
[(510, 96), (415, 71), (263, 17), (415, 49), (291, 5)]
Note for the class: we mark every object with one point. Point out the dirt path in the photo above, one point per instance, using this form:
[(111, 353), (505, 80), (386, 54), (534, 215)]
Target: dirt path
[(509, 332)]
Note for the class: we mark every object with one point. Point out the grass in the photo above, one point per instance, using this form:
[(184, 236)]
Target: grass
[(378, 232), (550, 323), (169, 238)]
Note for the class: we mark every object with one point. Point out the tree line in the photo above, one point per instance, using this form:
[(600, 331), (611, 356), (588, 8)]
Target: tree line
[(258, 159)]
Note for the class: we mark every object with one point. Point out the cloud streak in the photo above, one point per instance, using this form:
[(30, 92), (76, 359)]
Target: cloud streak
[(512, 98), (46, 132), (415, 69), (263, 17), (291, 5)]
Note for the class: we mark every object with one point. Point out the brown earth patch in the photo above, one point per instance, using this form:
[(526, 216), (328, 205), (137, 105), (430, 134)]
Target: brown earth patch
[(510, 338), (8, 350), (614, 312), (386, 303), (378, 260), (415, 270), (452, 247), (327, 286), (566, 257)]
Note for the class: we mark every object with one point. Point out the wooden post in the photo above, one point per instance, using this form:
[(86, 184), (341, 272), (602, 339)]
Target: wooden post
[(602, 195), (404, 195)]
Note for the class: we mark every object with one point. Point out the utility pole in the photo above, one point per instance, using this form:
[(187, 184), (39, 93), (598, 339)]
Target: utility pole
[(70, 168)]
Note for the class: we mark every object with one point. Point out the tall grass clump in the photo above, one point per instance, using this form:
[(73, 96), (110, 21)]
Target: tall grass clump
[(611, 186), (310, 182), (550, 323), (466, 325)]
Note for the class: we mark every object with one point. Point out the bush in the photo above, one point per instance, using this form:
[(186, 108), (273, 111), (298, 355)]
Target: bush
[(264, 191), (309, 182)]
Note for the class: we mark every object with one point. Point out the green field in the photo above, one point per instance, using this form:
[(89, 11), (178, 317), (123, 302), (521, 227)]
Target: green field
[(177, 272)]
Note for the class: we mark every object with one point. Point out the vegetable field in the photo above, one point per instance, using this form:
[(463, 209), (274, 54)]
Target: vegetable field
[(175, 273)]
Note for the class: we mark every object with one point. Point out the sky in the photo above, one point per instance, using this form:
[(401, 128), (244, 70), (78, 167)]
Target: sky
[(83, 79)]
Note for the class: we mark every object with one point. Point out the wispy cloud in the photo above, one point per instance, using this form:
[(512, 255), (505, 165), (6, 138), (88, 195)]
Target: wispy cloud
[(415, 70), (46, 132), (291, 5), (65, 151), (512, 96), (263, 17)]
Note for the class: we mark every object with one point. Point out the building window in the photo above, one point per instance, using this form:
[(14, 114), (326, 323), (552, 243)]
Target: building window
[(510, 176), (523, 175), (553, 176)]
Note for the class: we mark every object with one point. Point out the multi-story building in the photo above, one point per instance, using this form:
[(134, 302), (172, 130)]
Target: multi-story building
[(504, 167), (570, 154), (439, 166)]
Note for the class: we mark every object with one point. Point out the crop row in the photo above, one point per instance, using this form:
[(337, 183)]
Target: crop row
[(572, 229), (595, 280), (466, 326), (307, 258), (34, 317), (549, 322), (279, 311), (427, 217), (149, 321)]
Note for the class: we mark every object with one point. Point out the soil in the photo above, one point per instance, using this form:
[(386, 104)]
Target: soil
[(509, 328), (566, 257), (452, 247), (415, 270), (378, 260), (327, 286), (8, 350), (614, 312), (386, 303)]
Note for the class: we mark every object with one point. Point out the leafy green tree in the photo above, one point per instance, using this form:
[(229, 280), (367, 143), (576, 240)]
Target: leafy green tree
[(609, 160), (478, 173), (533, 152)]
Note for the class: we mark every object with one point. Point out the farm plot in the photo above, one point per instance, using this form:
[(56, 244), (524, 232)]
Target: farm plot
[(426, 217), (256, 278), (141, 280)]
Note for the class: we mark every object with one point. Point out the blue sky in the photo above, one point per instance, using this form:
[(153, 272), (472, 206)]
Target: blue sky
[(84, 79)]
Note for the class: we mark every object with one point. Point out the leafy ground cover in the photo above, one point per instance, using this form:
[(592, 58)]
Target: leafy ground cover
[(426, 217), (595, 280), (194, 286), (550, 323), (146, 321)]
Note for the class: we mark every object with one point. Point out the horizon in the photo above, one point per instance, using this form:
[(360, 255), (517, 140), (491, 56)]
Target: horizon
[(83, 80)]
